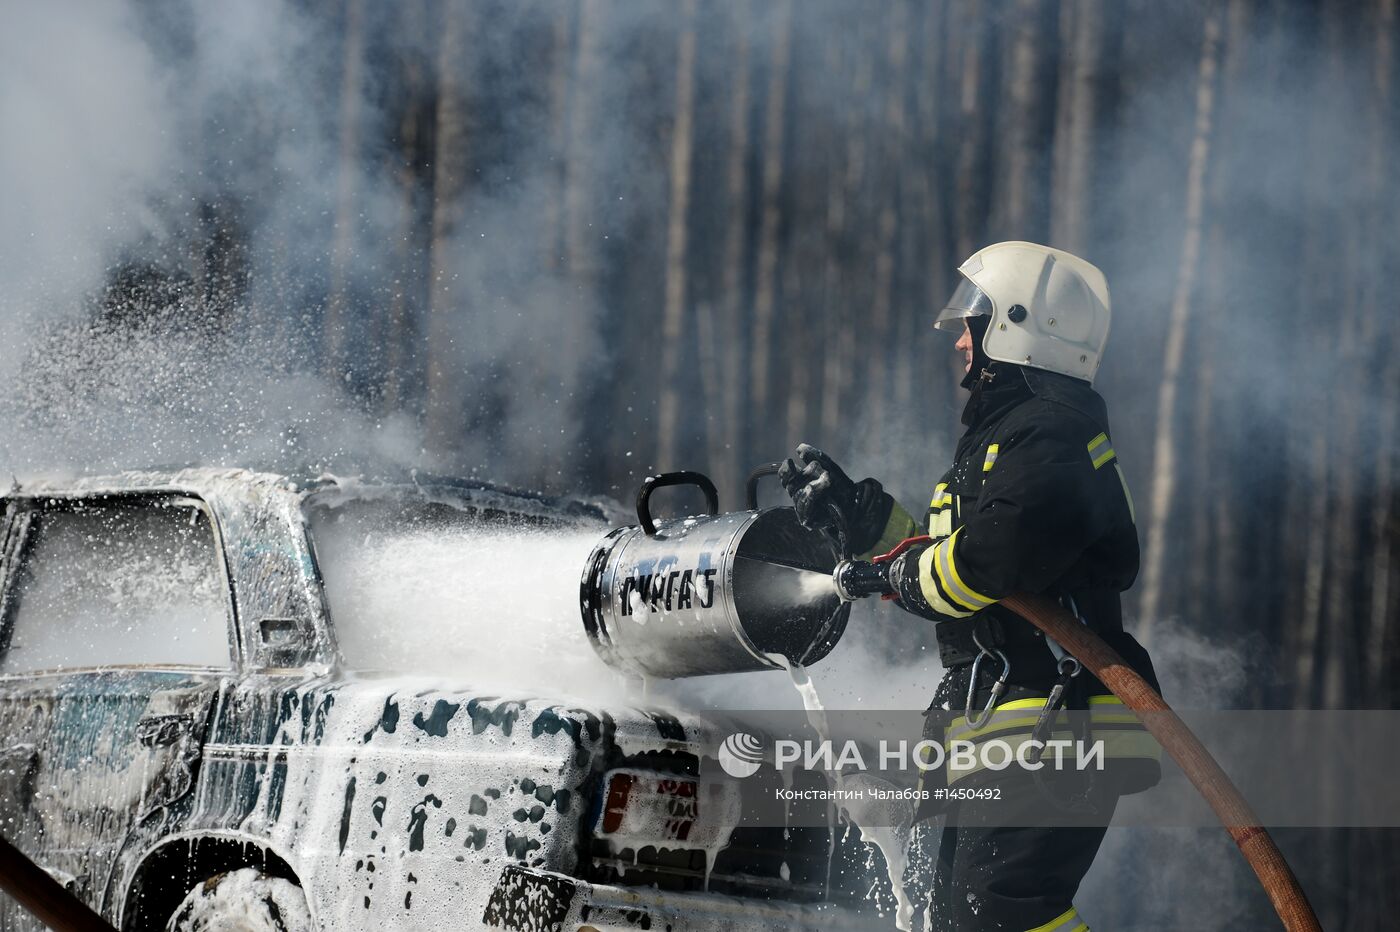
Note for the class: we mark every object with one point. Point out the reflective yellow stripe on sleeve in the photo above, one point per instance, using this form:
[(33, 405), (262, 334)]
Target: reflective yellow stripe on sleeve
[(943, 587), (940, 523), (928, 584), (991, 459), (1067, 921), (1100, 450), (940, 512), (952, 583)]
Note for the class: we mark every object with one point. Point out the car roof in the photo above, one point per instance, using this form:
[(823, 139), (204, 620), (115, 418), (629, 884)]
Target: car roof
[(221, 485)]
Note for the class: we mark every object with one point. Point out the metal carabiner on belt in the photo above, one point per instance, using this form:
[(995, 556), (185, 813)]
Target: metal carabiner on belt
[(998, 688), (1069, 668), (1058, 652)]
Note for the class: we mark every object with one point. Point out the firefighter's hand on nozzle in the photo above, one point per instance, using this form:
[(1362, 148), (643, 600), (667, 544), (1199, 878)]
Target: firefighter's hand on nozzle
[(816, 485), (896, 579), (903, 576), (857, 579)]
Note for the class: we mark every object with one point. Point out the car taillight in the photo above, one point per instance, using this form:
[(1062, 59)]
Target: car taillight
[(642, 807)]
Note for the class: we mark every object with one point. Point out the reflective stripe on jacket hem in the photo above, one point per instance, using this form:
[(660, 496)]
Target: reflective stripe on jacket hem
[(1067, 921), (1117, 726)]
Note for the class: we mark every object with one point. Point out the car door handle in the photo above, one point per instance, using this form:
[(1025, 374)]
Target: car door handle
[(163, 730)]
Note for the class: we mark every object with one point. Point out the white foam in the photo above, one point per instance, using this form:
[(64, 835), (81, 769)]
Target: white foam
[(495, 608), (884, 823)]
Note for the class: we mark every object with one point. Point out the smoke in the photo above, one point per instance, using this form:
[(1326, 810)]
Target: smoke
[(1200, 671), (190, 118), (174, 237), (210, 234), (86, 144), (1140, 874), (140, 338), (126, 348)]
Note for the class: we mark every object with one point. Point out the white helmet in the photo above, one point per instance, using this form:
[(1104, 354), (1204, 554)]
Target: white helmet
[(1048, 309)]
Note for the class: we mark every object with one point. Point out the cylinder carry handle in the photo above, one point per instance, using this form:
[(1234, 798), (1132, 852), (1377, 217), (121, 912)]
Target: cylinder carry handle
[(751, 487), (685, 477)]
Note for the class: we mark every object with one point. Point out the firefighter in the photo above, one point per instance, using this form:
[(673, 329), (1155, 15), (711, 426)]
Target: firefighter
[(1036, 502)]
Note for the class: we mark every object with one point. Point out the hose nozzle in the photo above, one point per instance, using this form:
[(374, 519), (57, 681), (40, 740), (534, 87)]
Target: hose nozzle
[(857, 579)]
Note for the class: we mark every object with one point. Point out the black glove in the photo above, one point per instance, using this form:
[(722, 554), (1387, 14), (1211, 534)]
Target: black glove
[(826, 499), (818, 488)]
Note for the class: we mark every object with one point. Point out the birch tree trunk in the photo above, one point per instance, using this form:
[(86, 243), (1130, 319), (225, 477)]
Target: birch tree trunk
[(1322, 276), (843, 198), (1382, 242), (1337, 632), (765, 286), (928, 259), (560, 72), (887, 225), (446, 406), (343, 237), (969, 222), (1348, 398), (582, 257), (673, 313), (736, 190), (1082, 36), (1213, 592), (1196, 567), (1016, 141), (580, 245), (1164, 467), (803, 301), (409, 251)]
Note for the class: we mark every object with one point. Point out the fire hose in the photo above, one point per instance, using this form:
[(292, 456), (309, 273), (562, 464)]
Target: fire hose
[(1253, 840), (855, 579)]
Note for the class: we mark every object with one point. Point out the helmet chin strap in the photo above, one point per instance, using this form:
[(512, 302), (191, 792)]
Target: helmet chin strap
[(978, 328)]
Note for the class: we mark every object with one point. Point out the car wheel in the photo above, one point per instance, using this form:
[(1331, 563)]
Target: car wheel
[(244, 900)]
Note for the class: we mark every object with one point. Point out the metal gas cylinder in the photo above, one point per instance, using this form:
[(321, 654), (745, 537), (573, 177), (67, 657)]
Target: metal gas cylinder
[(716, 593)]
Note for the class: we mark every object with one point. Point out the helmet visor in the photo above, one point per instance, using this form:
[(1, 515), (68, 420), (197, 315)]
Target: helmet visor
[(967, 301)]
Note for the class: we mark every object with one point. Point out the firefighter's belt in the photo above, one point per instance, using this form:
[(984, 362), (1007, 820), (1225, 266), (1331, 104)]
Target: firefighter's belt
[(956, 647)]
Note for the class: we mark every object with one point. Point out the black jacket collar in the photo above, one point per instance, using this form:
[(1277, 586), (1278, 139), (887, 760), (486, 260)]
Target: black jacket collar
[(1004, 385), (999, 388)]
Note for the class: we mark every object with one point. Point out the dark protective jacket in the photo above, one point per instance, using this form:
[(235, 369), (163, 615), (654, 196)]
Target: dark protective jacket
[(1035, 502)]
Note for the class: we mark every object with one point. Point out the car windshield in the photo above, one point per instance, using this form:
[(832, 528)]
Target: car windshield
[(430, 587)]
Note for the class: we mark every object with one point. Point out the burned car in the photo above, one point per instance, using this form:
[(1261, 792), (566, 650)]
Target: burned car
[(204, 715)]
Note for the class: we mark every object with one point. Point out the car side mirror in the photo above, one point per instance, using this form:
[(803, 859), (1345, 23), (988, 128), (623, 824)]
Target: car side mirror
[(284, 641)]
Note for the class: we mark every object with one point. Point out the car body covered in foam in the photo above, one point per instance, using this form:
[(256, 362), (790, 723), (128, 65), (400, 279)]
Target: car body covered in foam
[(175, 703)]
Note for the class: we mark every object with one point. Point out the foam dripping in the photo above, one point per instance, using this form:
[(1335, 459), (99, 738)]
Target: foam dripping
[(885, 823)]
